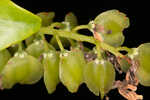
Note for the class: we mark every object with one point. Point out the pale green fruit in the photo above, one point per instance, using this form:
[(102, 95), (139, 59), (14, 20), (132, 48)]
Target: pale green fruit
[(37, 48), (71, 69), (99, 76), (110, 25), (23, 69), (142, 55), (51, 70)]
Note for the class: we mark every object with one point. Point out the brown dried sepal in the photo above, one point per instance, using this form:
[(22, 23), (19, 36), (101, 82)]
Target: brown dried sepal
[(98, 28), (130, 75), (127, 90), (128, 87), (114, 60)]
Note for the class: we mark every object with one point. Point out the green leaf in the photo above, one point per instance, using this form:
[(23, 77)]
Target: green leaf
[(16, 23)]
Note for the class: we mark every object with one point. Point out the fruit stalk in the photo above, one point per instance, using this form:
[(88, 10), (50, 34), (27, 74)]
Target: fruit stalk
[(80, 27), (59, 43)]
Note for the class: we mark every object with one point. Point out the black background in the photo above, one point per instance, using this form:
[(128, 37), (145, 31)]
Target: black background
[(137, 33)]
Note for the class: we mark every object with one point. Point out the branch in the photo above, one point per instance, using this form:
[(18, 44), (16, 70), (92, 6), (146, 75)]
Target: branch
[(78, 37)]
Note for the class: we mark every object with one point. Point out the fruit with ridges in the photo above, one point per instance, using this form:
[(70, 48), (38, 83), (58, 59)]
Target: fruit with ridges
[(23, 69), (99, 76), (51, 70), (71, 69)]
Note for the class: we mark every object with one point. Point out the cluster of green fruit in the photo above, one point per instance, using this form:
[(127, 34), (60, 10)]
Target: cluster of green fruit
[(27, 66), (29, 61)]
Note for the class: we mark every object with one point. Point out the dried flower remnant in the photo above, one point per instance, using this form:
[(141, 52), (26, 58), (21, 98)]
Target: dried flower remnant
[(128, 87), (113, 59)]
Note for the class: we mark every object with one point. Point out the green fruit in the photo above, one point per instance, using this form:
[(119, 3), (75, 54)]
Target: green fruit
[(47, 17), (71, 69), (72, 19), (4, 57), (113, 17), (89, 79), (110, 25), (124, 65), (142, 55), (51, 70), (116, 39), (37, 48), (23, 69), (99, 76)]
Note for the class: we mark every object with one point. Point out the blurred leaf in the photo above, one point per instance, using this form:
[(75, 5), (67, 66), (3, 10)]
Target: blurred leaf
[(16, 24)]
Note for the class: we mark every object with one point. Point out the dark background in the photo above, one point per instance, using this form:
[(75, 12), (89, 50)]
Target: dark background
[(137, 33)]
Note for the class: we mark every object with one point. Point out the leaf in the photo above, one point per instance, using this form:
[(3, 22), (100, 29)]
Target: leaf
[(16, 23)]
